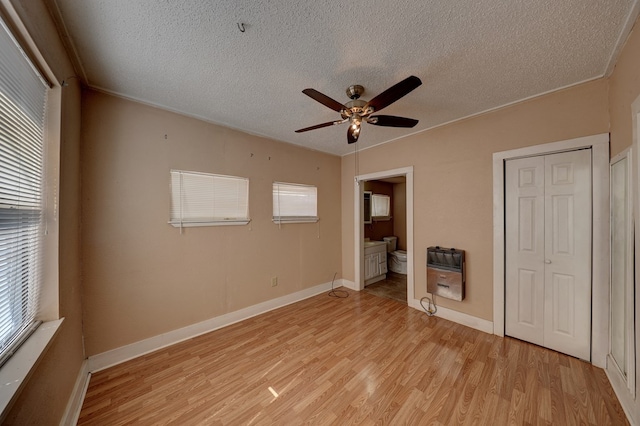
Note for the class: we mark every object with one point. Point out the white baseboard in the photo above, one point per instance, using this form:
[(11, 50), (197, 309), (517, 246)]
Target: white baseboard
[(626, 401), (72, 412), (349, 284), (459, 317), (449, 314), (116, 356)]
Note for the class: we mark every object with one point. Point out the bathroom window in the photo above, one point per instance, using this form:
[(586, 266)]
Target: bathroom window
[(380, 207), (203, 199), (294, 203)]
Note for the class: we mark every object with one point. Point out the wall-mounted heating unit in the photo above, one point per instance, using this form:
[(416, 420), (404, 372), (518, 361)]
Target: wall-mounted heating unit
[(445, 272)]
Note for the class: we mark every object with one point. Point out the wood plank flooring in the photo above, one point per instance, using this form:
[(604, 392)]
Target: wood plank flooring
[(393, 287), (361, 360)]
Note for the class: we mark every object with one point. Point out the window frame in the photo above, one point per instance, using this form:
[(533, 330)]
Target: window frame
[(279, 218), (216, 179), (17, 369), (373, 207), (24, 204)]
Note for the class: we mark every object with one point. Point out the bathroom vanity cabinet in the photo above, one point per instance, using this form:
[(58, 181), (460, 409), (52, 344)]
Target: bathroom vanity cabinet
[(375, 261)]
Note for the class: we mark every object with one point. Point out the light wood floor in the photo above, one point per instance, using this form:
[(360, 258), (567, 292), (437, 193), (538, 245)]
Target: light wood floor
[(360, 360), (393, 287)]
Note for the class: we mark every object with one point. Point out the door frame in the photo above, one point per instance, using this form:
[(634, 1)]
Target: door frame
[(358, 221), (599, 145), (613, 370)]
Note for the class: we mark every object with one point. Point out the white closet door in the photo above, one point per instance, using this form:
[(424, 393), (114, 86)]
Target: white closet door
[(548, 251), (525, 249), (567, 317)]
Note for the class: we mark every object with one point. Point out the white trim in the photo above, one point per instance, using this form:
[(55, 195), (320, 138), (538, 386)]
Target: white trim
[(600, 249), (177, 224), (299, 145), (625, 402), (471, 321), (125, 353), (477, 114), (599, 145), (66, 39), (349, 284), (483, 325), (358, 226), (298, 220), (612, 364), (74, 406), (628, 402), (635, 190), (15, 372), (622, 37)]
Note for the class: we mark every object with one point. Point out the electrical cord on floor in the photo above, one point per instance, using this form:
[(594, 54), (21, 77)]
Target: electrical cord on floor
[(428, 309), (340, 294)]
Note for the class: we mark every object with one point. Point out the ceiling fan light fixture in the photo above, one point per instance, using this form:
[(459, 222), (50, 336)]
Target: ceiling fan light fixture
[(356, 122), (357, 110)]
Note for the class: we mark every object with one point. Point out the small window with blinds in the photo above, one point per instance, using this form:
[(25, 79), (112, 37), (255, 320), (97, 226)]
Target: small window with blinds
[(294, 203), (23, 94), (203, 199), (380, 207)]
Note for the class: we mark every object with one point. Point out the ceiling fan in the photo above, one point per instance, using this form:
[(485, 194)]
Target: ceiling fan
[(357, 111)]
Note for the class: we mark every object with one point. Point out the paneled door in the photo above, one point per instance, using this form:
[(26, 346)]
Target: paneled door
[(548, 251)]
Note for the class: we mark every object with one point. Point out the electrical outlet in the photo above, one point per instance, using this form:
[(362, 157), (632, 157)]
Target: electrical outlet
[(274, 281)]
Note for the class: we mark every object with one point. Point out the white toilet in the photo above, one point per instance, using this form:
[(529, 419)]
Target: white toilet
[(397, 259)]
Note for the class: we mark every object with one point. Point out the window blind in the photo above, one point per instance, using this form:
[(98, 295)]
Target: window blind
[(294, 203), (202, 199), (380, 206), (23, 94)]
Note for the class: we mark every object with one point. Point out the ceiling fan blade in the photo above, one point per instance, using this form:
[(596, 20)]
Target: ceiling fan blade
[(394, 93), (392, 121), (324, 99), (352, 134), (320, 126)]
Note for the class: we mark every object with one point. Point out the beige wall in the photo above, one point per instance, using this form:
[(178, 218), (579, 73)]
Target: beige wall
[(624, 88), (453, 179), (400, 214), (45, 396), (141, 276)]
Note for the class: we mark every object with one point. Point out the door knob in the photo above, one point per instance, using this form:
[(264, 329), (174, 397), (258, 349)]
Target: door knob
[(547, 261)]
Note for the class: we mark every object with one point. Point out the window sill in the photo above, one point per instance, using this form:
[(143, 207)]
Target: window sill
[(279, 222), (17, 369), (381, 218), (198, 224)]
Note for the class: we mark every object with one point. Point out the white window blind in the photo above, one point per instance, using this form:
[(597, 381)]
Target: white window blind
[(23, 94), (294, 203), (203, 199), (380, 206)]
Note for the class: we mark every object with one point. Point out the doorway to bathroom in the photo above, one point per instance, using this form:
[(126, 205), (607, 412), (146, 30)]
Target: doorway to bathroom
[(385, 214), (385, 236)]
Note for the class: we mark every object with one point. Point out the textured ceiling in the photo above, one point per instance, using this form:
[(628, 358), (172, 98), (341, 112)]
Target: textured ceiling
[(472, 56)]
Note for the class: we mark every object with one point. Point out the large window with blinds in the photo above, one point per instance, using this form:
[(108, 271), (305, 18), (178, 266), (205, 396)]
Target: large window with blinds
[(294, 203), (204, 199), (23, 94)]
